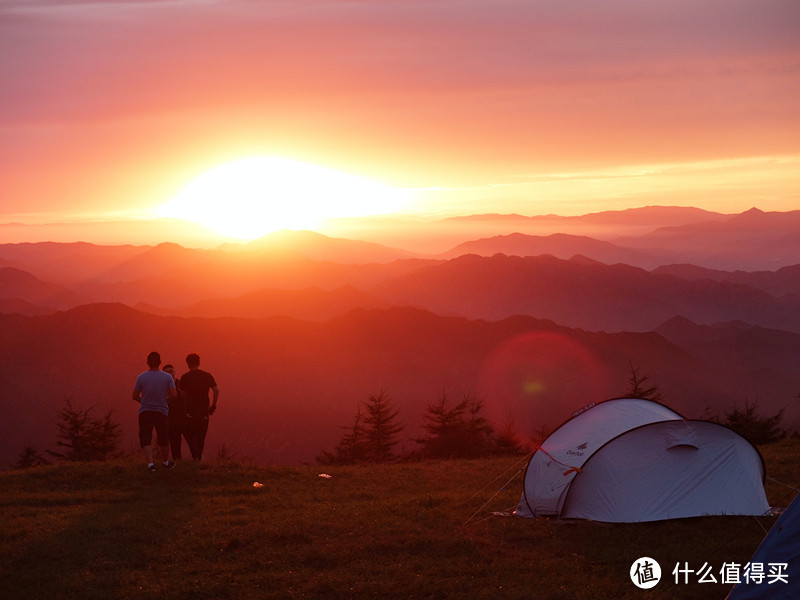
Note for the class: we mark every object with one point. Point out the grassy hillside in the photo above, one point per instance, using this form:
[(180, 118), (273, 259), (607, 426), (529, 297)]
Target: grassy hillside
[(112, 530)]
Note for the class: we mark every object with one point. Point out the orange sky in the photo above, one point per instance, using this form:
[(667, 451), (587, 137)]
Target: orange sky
[(107, 110)]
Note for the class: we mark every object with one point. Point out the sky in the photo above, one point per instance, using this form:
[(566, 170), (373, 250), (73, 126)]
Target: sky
[(109, 111)]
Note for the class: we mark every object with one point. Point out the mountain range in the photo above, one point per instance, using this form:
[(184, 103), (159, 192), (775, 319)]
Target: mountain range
[(299, 327)]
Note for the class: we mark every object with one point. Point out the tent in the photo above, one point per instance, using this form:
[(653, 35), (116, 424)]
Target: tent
[(778, 557), (629, 460)]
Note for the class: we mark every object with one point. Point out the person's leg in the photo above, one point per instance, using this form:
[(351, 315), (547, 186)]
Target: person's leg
[(146, 436), (190, 433), (175, 436), (162, 437), (202, 430)]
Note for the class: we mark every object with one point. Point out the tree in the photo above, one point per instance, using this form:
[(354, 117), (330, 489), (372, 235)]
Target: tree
[(350, 448), (30, 457), (458, 430), (754, 428), (372, 436), (380, 428), (506, 440), (85, 438), (639, 388)]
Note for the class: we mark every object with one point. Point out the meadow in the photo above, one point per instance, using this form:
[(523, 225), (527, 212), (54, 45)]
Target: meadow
[(411, 530)]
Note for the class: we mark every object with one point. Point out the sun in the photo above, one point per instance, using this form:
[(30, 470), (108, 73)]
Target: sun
[(252, 197)]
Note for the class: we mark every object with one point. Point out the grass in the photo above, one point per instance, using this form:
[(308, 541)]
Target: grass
[(111, 530)]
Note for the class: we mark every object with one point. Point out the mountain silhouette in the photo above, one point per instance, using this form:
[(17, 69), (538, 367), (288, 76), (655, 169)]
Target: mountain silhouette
[(288, 386), (588, 295), (299, 328), (560, 245), (753, 240), (32, 295), (310, 304)]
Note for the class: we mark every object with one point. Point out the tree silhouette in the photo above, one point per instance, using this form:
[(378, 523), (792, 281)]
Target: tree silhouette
[(639, 388), (350, 448), (30, 457), (456, 430), (372, 436), (754, 428), (85, 438), (380, 428)]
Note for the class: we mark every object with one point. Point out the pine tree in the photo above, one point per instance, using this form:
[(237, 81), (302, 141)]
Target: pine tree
[(506, 440), (754, 428), (30, 457), (350, 448), (638, 387), (371, 438), (85, 438), (458, 430), (380, 428)]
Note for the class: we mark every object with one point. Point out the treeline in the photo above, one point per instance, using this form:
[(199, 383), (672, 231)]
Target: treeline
[(451, 430), (81, 437)]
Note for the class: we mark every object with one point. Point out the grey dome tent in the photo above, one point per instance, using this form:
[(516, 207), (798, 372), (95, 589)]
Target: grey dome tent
[(630, 460)]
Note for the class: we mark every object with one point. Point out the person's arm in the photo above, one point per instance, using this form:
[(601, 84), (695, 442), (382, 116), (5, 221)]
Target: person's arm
[(137, 396), (213, 407)]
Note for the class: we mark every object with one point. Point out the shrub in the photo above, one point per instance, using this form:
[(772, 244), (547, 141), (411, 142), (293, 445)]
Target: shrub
[(85, 438), (30, 457), (754, 428)]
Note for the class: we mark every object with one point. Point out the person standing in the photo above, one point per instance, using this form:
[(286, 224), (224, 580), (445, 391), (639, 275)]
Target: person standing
[(153, 390), (177, 417), (195, 385)]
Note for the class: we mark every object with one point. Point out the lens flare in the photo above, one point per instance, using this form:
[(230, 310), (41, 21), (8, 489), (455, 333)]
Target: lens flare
[(538, 379)]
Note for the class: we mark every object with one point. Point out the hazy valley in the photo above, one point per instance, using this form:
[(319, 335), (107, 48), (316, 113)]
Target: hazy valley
[(536, 317)]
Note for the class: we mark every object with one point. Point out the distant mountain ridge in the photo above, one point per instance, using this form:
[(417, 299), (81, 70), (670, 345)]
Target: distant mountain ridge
[(560, 245), (18, 285), (288, 385), (753, 240), (649, 216), (590, 296), (321, 247), (311, 304)]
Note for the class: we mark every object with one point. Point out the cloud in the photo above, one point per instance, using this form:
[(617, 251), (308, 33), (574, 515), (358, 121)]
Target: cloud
[(452, 93)]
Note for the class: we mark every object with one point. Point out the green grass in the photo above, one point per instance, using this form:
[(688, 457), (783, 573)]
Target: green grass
[(111, 530)]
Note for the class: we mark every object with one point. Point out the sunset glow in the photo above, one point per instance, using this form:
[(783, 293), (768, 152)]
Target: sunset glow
[(519, 107), (254, 196)]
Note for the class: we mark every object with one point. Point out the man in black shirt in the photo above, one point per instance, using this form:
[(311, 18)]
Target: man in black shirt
[(194, 386)]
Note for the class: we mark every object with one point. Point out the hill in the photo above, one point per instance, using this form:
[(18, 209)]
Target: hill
[(311, 304), (422, 530), (34, 296), (783, 281), (752, 241), (584, 294), (66, 263), (288, 386), (321, 247), (560, 245)]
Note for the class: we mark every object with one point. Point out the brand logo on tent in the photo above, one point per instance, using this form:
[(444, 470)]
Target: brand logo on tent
[(583, 446), (645, 573)]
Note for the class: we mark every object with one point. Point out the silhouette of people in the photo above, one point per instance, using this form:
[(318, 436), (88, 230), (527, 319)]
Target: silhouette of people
[(195, 385), (153, 390), (177, 417)]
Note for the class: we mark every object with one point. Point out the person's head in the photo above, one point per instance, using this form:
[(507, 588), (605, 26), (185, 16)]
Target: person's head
[(153, 360), (193, 360), (169, 369)]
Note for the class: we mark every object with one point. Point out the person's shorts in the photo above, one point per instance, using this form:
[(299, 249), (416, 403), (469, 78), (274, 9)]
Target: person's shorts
[(149, 420)]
